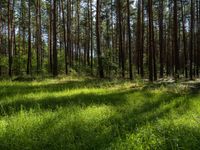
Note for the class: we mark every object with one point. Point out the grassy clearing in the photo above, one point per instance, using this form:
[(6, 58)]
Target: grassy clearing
[(71, 113)]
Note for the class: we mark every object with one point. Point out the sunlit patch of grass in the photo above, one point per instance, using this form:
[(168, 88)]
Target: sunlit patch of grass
[(86, 113)]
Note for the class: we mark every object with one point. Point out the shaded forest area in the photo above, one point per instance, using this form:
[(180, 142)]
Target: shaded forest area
[(106, 38)]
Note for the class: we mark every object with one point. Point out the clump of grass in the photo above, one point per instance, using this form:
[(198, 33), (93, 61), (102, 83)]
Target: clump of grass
[(87, 113)]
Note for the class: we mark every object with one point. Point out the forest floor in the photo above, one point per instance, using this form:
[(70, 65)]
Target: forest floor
[(83, 113)]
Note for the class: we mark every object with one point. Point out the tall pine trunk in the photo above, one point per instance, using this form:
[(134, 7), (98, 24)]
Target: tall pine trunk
[(129, 41), (29, 62), (99, 55), (55, 63)]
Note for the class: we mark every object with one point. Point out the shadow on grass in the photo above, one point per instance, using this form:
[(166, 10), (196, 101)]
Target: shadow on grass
[(180, 137), (23, 88), (52, 103), (100, 135)]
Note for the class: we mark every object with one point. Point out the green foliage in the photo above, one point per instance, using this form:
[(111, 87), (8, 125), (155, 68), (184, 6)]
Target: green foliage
[(81, 113), (111, 67), (4, 61)]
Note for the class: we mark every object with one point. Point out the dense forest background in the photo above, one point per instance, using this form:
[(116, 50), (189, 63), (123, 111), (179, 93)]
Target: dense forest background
[(106, 38)]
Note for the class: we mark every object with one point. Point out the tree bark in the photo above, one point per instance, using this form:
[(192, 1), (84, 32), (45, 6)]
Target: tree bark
[(65, 41), (29, 62), (176, 49), (161, 37), (150, 41), (99, 55), (55, 68), (129, 41), (191, 38)]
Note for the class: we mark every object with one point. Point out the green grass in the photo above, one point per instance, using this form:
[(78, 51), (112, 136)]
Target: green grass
[(71, 113)]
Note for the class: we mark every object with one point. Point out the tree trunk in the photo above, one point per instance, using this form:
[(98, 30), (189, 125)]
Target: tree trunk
[(69, 31), (129, 41), (29, 63), (119, 15), (99, 55), (176, 50), (55, 69), (91, 36), (142, 43), (9, 41), (191, 38), (161, 37), (184, 40), (138, 36), (150, 42), (65, 41)]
